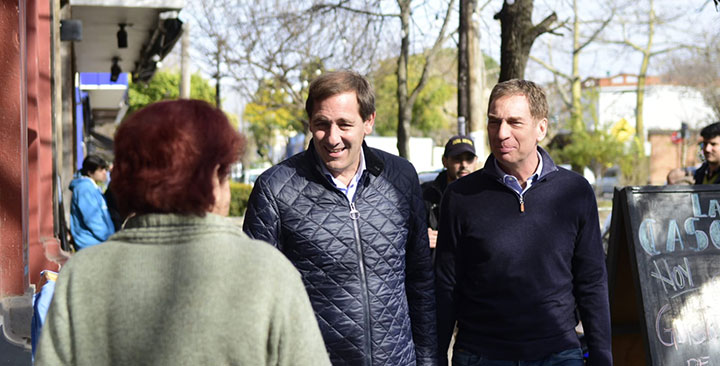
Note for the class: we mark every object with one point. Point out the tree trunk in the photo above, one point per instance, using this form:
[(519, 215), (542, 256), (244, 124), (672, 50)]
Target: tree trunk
[(642, 76), (404, 107), (218, 75), (576, 118), (517, 35)]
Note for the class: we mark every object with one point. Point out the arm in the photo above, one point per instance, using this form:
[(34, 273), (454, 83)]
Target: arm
[(590, 285), (419, 283), (55, 345), (93, 209), (445, 276), (262, 220)]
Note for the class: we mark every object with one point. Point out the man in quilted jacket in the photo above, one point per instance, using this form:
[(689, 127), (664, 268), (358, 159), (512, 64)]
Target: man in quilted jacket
[(352, 220)]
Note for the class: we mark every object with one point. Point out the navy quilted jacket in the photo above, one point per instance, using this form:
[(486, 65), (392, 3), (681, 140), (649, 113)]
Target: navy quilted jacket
[(367, 272)]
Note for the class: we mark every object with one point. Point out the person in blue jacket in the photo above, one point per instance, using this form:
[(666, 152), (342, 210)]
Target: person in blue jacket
[(90, 221)]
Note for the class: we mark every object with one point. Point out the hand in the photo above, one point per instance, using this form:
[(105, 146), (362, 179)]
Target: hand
[(432, 236)]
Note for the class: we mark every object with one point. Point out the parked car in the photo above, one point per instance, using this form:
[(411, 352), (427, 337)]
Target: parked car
[(609, 180), (428, 176)]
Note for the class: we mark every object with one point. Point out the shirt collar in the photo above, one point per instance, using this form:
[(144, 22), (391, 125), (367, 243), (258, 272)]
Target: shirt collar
[(349, 190), (512, 181)]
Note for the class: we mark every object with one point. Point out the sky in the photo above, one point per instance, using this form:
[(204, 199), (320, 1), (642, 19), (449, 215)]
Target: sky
[(691, 21)]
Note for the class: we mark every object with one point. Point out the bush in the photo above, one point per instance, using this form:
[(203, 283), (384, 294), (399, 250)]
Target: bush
[(239, 194)]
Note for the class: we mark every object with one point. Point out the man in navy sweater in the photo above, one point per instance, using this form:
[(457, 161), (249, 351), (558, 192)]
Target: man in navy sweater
[(519, 250)]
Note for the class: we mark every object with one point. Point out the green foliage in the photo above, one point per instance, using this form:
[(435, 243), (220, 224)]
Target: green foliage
[(166, 85), (600, 148), (272, 110), (597, 149), (239, 195), (635, 166), (434, 109), (492, 71), (429, 110)]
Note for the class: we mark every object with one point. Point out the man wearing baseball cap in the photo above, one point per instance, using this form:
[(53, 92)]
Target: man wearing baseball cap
[(459, 160)]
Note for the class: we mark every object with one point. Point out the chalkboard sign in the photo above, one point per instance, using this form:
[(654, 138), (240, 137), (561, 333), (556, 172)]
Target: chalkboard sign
[(672, 235)]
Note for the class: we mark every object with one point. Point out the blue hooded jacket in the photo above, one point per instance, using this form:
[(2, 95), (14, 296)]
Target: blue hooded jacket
[(90, 222)]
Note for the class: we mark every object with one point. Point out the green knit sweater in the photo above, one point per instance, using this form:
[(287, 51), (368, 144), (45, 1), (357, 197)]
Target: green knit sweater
[(179, 290)]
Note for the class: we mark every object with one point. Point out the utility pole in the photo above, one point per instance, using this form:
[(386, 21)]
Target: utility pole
[(185, 62), (463, 80), (476, 75)]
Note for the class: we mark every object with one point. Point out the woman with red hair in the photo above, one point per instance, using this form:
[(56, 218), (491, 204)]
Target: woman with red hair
[(180, 283)]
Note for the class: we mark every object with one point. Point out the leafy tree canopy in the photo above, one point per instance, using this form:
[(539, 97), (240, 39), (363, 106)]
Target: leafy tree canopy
[(166, 85), (433, 110), (271, 111)]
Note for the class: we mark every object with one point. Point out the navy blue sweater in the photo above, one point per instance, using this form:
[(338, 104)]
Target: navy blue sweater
[(512, 279)]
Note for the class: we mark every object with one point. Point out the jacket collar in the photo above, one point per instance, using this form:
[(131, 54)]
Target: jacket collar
[(440, 182), (373, 163), (548, 165)]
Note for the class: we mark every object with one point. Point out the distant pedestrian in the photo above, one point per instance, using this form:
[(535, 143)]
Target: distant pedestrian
[(181, 284), (459, 160), (519, 250), (90, 221), (351, 219), (709, 171)]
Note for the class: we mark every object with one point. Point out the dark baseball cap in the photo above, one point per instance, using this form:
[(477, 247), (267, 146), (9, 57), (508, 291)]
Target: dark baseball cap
[(458, 145)]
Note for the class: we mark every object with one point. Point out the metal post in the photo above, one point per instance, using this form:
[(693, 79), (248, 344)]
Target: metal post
[(461, 125), (185, 63)]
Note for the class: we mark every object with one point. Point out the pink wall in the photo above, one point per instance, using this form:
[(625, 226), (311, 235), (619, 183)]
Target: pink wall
[(12, 281), (40, 154), (25, 145)]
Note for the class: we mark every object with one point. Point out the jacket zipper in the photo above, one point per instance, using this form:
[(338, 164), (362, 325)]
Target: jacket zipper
[(355, 215), (522, 203)]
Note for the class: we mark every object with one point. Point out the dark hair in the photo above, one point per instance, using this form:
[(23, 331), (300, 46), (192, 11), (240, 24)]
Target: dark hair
[(534, 94), (91, 164), (166, 154), (338, 82), (710, 131)]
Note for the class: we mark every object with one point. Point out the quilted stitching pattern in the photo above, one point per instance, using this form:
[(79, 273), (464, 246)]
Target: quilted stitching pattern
[(294, 208)]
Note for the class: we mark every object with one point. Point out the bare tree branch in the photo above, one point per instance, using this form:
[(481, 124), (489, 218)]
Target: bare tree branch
[(551, 68), (596, 33), (441, 38)]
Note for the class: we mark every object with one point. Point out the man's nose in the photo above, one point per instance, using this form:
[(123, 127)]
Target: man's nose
[(333, 136), (503, 130)]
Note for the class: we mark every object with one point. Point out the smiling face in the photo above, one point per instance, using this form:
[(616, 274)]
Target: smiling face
[(338, 132), (514, 135)]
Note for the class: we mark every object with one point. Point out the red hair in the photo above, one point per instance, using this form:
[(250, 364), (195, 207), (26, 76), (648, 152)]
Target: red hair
[(166, 154)]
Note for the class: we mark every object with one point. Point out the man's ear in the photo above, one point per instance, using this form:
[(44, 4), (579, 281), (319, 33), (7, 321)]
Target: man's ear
[(368, 124), (542, 129)]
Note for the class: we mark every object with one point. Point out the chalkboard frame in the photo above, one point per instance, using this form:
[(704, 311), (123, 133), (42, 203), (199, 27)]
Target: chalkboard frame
[(622, 254)]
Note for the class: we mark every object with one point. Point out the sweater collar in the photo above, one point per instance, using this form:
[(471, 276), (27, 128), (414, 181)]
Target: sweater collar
[(441, 181), (158, 219), (158, 228)]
